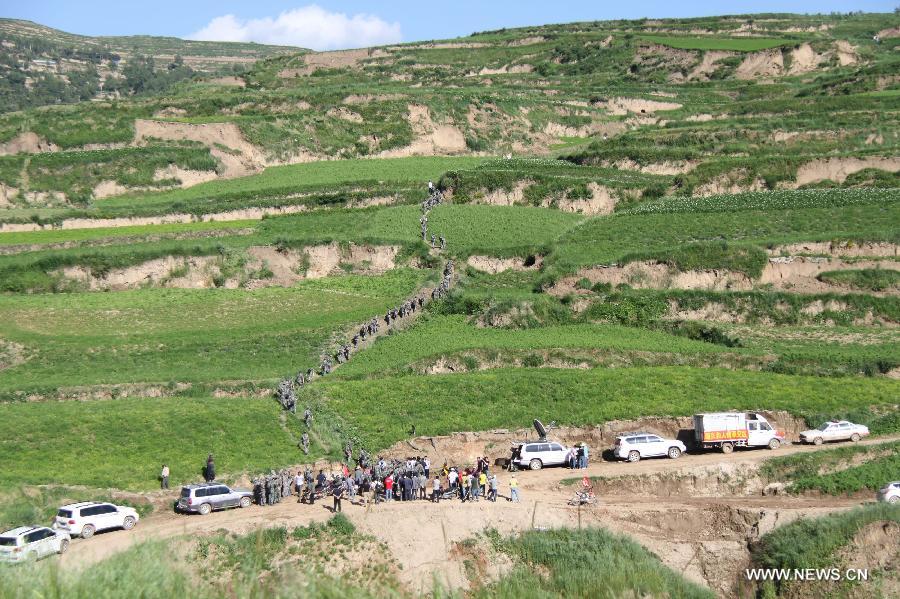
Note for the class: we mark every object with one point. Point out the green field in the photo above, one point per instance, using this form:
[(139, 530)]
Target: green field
[(449, 335), (123, 443), (57, 236), (733, 44), (835, 471), (510, 398), (168, 335)]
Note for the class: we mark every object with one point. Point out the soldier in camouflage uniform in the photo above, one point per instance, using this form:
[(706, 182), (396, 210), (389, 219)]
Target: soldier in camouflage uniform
[(304, 443), (308, 417)]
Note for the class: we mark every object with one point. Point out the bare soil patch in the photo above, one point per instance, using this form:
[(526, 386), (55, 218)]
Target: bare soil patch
[(846, 53), (622, 106), (838, 169), (761, 65), (430, 138), (492, 265), (804, 60), (837, 249), (708, 65), (731, 182), (27, 143)]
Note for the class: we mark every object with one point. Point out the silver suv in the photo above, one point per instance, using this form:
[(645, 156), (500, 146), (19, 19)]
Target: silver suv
[(206, 497)]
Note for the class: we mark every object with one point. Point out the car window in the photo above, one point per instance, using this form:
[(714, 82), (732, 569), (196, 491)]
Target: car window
[(34, 536), (532, 448), (753, 426), (640, 440), (556, 447), (89, 511), (185, 492), (64, 513), (653, 439), (764, 426), (824, 427), (845, 425), (8, 542), (222, 490), (107, 509), (46, 533)]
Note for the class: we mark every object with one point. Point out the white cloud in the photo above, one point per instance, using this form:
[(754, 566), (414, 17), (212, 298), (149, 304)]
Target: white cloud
[(309, 27)]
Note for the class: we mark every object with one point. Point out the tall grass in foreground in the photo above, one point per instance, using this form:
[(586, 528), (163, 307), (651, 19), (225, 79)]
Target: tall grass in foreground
[(814, 543), (586, 563)]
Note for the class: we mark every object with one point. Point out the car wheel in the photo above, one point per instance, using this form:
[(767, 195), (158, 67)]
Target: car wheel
[(855, 437), (63, 546), (818, 441), (727, 447), (674, 453), (205, 509), (634, 456), (245, 502), (535, 464), (894, 499), (128, 523), (774, 444), (88, 531)]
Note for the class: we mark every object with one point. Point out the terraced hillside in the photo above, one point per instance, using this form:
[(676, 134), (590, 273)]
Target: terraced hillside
[(42, 65), (642, 220)]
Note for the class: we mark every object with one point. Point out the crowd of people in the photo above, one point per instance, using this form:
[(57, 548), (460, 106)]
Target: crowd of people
[(386, 480)]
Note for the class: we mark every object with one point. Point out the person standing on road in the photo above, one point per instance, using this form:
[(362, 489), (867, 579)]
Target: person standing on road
[(389, 488), (311, 488), (482, 482), (584, 455), (513, 489), (164, 477), (209, 472), (337, 491), (298, 484), (493, 483), (436, 489)]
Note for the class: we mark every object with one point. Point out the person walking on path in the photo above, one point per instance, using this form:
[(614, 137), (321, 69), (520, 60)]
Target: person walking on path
[(493, 483), (164, 477), (513, 489)]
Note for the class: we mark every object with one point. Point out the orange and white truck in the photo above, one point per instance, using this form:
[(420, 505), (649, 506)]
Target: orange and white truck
[(727, 430)]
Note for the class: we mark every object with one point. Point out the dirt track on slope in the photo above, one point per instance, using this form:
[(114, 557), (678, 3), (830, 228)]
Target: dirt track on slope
[(706, 538)]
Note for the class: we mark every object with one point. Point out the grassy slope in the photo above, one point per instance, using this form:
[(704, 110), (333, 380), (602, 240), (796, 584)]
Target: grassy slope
[(167, 335), (444, 335), (586, 563), (439, 404)]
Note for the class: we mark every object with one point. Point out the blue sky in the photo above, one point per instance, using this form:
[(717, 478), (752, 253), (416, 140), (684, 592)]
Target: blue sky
[(331, 25)]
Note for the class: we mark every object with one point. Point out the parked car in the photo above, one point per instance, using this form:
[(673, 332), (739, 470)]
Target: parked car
[(537, 454), (85, 518), (205, 497), (890, 493), (835, 431), (31, 542), (634, 446)]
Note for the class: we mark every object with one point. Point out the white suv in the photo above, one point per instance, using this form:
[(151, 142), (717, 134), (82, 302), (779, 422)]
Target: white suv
[(88, 517), (31, 542), (538, 454), (890, 493), (634, 446)]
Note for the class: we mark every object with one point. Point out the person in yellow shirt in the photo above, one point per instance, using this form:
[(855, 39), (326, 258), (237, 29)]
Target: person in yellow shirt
[(482, 482), (513, 489)]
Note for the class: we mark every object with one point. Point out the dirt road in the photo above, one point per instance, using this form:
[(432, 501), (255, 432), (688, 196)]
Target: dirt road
[(705, 537)]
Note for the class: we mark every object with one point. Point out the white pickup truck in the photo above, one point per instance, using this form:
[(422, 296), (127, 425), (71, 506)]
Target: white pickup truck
[(727, 430)]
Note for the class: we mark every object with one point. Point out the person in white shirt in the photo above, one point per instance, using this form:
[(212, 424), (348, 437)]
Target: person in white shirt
[(298, 483), (164, 477)]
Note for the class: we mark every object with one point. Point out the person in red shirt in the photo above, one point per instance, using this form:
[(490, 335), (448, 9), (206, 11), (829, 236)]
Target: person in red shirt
[(389, 487)]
